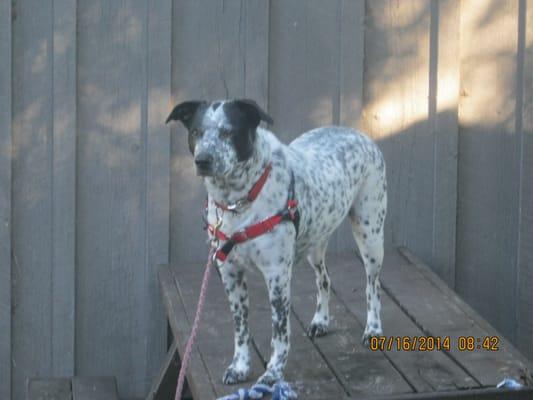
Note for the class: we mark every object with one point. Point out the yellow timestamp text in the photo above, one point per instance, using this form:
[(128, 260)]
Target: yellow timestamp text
[(434, 343)]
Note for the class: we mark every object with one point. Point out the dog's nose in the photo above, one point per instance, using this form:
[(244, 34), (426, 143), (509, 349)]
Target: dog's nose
[(203, 161)]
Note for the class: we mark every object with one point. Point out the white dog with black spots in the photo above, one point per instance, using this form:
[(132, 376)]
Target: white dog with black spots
[(336, 172)]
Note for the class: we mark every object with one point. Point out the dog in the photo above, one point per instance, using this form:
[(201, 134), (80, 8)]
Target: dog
[(270, 204)]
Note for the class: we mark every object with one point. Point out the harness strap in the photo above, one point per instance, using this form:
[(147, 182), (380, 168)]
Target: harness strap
[(289, 213), (252, 194)]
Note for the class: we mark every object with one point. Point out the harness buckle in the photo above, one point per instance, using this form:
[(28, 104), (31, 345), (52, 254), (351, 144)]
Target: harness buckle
[(235, 206)]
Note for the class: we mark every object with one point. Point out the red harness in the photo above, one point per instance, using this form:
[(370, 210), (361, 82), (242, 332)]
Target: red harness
[(252, 194), (289, 213)]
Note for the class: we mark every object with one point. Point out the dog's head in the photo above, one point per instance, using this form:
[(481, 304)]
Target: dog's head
[(222, 134)]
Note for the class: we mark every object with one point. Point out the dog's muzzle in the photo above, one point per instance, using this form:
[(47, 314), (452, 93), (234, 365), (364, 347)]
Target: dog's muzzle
[(204, 164)]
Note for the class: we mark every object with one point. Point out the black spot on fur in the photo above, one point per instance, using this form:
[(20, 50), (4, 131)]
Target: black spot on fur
[(244, 117)]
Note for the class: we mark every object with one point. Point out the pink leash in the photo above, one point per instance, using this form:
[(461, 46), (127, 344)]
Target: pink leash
[(194, 330)]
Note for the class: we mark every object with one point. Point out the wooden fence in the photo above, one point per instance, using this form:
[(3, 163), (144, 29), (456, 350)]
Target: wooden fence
[(95, 190)]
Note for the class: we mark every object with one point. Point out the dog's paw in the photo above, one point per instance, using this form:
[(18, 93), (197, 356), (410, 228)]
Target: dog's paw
[(233, 375), (317, 329), (269, 378), (368, 335)]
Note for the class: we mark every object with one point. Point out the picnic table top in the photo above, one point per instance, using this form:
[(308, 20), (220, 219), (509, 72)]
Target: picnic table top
[(415, 303)]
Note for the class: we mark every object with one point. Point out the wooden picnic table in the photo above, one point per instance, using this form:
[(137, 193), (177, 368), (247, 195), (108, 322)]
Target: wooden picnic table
[(75, 388), (415, 303)]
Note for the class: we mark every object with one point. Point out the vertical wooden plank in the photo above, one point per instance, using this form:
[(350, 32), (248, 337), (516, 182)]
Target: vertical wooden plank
[(111, 292), (63, 186), (397, 58), (227, 58), (351, 61), (444, 124), (157, 176), (351, 68), (487, 230), (287, 67), (32, 194), (525, 261), (257, 20), (5, 200), (316, 67), (303, 66)]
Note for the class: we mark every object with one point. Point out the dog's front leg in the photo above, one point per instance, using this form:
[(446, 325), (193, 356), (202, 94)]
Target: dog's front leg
[(278, 279), (237, 291)]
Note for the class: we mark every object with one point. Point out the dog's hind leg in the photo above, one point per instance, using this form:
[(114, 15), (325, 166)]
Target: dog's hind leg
[(367, 217), (237, 291), (320, 322)]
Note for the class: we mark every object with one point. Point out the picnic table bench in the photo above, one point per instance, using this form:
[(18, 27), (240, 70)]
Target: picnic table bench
[(415, 303), (76, 388)]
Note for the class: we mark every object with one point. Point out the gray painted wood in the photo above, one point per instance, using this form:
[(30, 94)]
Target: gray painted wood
[(426, 371), (397, 49), (256, 21), (89, 166), (316, 74), (287, 68), (444, 69), (157, 185), (488, 163), (5, 200), (525, 252), (215, 336), (227, 58), (361, 371), (350, 86), (49, 389), (487, 367), (94, 388), (303, 66), (63, 155), (337, 365), (197, 372), (112, 296), (31, 193)]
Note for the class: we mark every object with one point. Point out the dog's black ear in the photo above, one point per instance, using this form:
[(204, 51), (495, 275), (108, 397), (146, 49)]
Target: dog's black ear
[(250, 107), (184, 112)]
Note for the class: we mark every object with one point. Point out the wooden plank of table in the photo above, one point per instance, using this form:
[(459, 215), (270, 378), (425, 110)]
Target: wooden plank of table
[(361, 371), (424, 370), (307, 371), (471, 394), (197, 373), (215, 336), (49, 389), (440, 312), (85, 388)]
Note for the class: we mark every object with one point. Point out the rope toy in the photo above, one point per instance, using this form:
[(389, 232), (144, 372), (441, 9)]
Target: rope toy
[(280, 391)]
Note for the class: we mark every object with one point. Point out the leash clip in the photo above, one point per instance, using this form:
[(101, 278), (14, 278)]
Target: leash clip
[(292, 207), (215, 242)]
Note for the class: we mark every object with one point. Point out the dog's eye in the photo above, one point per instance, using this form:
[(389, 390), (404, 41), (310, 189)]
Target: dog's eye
[(195, 132), (225, 133)]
